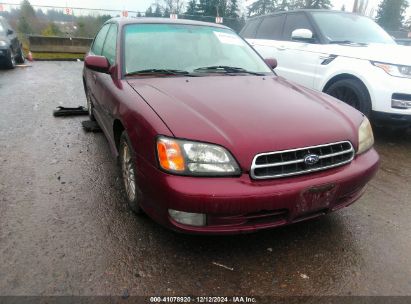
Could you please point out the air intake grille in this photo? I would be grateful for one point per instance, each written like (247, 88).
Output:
(297, 161)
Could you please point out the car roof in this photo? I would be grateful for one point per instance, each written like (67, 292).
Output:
(154, 20)
(303, 10)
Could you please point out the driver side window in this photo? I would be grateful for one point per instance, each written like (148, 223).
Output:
(98, 42)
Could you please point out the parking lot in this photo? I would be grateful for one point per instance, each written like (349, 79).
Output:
(65, 228)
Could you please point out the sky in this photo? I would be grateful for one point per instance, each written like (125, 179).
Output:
(141, 5)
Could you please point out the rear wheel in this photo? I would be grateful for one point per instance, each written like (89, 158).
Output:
(128, 172)
(352, 92)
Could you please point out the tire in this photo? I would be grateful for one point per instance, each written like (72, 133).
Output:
(128, 173)
(10, 61)
(90, 106)
(20, 56)
(353, 92)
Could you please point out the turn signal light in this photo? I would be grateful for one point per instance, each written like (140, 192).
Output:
(170, 155)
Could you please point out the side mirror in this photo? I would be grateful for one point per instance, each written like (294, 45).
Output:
(10, 32)
(302, 35)
(97, 63)
(271, 62)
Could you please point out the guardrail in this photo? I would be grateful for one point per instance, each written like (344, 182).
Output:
(45, 44)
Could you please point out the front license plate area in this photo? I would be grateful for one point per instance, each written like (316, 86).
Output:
(316, 198)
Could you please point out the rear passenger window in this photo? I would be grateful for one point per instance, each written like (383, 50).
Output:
(250, 28)
(271, 28)
(109, 49)
(296, 21)
(98, 43)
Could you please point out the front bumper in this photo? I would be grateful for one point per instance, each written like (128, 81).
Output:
(392, 119)
(235, 205)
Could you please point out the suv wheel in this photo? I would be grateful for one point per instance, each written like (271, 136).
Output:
(128, 172)
(352, 92)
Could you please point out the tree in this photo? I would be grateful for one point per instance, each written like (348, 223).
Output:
(51, 30)
(233, 9)
(191, 8)
(262, 7)
(27, 22)
(390, 14)
(408, 24)
(149, 12)
(157, 11)
(317, 4)
(173, 6)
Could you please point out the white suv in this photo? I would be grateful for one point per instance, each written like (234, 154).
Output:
(343, 54)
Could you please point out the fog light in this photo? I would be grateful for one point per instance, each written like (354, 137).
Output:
(400, 104)
(188, 218)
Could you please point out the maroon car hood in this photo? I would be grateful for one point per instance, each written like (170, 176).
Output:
(248, 114)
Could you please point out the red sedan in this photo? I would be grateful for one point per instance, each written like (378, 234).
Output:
(210, 139)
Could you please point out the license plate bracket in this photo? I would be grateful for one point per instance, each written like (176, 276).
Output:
(316, 198)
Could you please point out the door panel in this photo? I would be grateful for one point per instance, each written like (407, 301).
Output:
(299, 60)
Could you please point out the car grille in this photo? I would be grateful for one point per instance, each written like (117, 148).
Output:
(293, 162)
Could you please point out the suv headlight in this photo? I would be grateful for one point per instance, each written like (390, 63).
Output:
(365, 136)
(394, 70)
(195, 158)
(3, 43)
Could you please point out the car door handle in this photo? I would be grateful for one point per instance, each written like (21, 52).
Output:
(281, 48)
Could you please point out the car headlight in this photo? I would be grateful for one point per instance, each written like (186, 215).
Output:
(394, 69)
(365, 136)
(195, 158)
(3, 43)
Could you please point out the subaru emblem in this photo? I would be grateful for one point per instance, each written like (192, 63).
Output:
(311, 159)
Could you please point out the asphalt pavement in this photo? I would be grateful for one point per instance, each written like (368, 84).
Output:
(65, 228)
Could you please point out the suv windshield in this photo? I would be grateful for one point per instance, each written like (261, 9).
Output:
(179, 49)
(350, 28)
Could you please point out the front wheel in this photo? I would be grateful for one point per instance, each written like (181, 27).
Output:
(352, 92)
(128, 172)
(90, 106)
(20, 56)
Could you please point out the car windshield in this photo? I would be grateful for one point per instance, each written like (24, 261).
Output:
(343, 27)
(179, 49)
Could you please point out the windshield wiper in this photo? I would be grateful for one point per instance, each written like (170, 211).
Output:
(346, 42)
(159, 71)
(227, 69)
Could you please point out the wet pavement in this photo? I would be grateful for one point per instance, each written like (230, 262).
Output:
(65, 228)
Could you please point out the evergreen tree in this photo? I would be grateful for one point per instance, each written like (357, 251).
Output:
(27, 22)
(390, 14)
(191, 8)
(233, 9)
(262, 7)
(149, 12)
(310, 4)
(157, 11)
